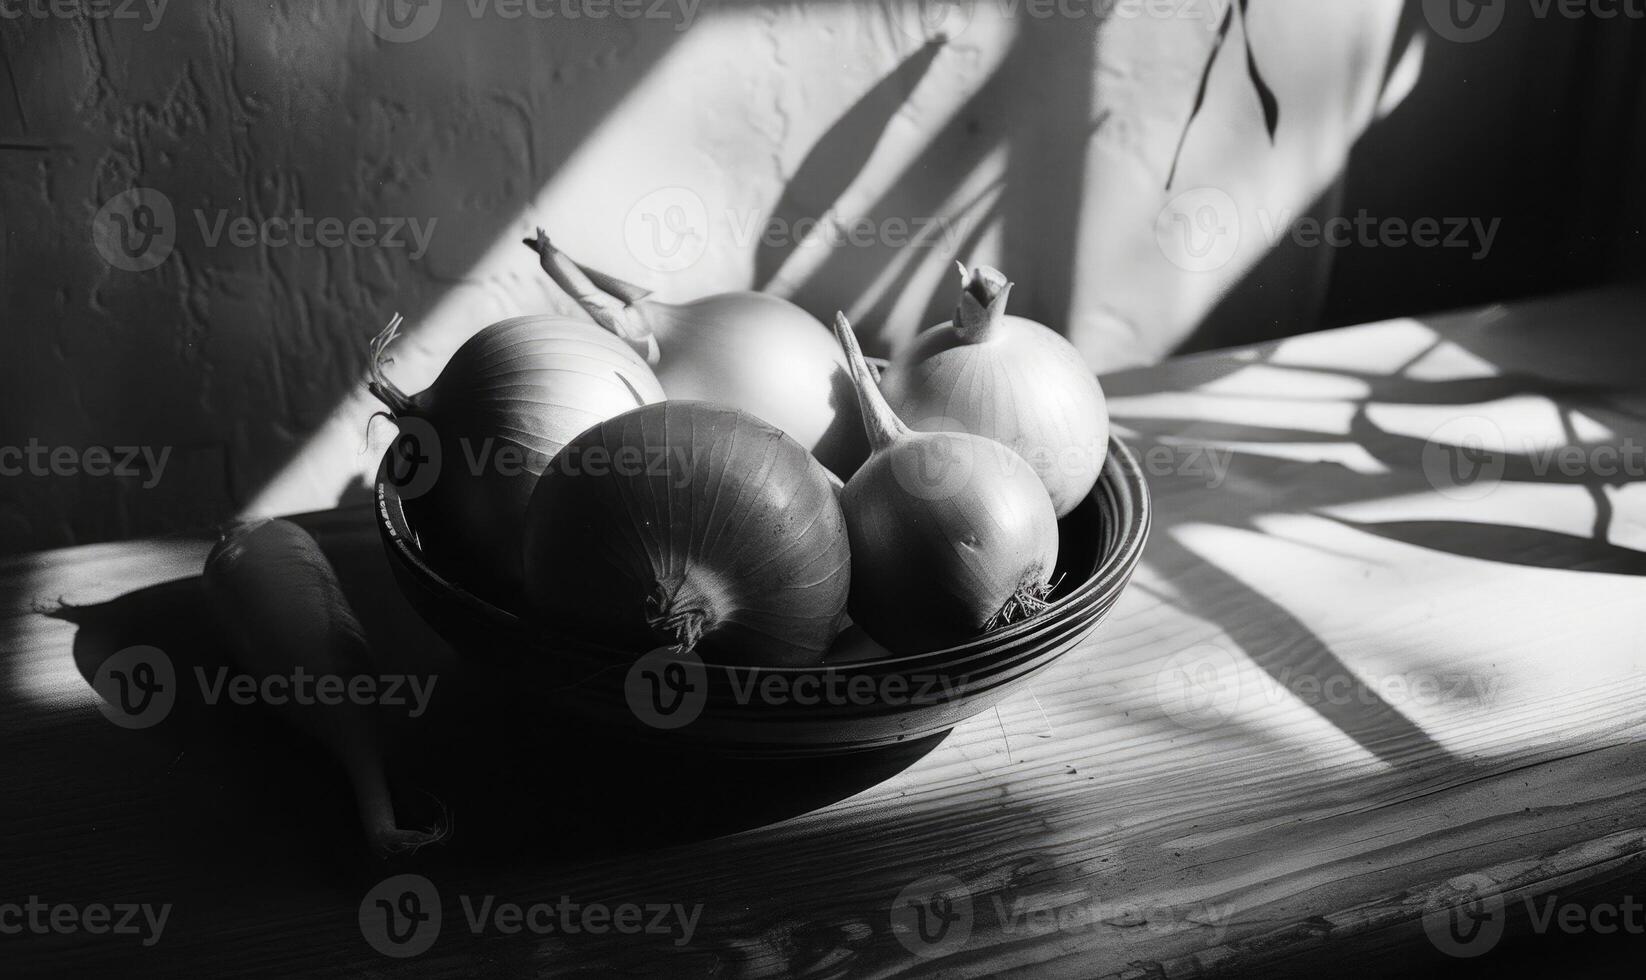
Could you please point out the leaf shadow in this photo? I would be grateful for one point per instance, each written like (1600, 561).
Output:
(1507, 544)
(836, 159)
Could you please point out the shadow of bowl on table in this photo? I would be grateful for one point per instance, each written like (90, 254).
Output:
(522, 783)
(517, 783)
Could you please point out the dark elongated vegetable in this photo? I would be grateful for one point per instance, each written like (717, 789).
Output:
(276, 595)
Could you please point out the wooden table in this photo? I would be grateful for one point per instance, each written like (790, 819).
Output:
(1361, 676)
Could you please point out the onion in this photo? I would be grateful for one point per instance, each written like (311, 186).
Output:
(751, 351)
(952, 534)
(475, 441)
(1010, 379)
(690, 525)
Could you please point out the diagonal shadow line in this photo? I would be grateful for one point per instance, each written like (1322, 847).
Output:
(1507, 544)
(1046, 172)
(1286, 649)
(941, 303)
(1601, 530)
(1402, 452)
(1045, 233)
(836, 159)
(953, 153)
(1403, 390)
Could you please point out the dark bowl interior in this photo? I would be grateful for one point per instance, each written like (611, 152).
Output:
(876, 702)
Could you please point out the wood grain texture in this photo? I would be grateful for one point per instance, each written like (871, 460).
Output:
(1333, 699)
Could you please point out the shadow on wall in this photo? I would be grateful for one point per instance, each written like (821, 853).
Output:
(215, 344)
(228, 355)
(220, 349)
(1532, 177)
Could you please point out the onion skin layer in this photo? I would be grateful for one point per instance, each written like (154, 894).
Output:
(719, 535)
(1011, 380)
(509, 399)
(936, 559)
(751, 351)
(767, 357)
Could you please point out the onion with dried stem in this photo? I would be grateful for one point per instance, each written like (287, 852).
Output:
(474, 442)
(1009, 379)
(952, 534)
(751, 351)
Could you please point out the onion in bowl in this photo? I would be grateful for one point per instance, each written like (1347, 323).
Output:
(690, 526)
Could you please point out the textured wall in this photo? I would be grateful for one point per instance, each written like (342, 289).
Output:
(659, 141)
